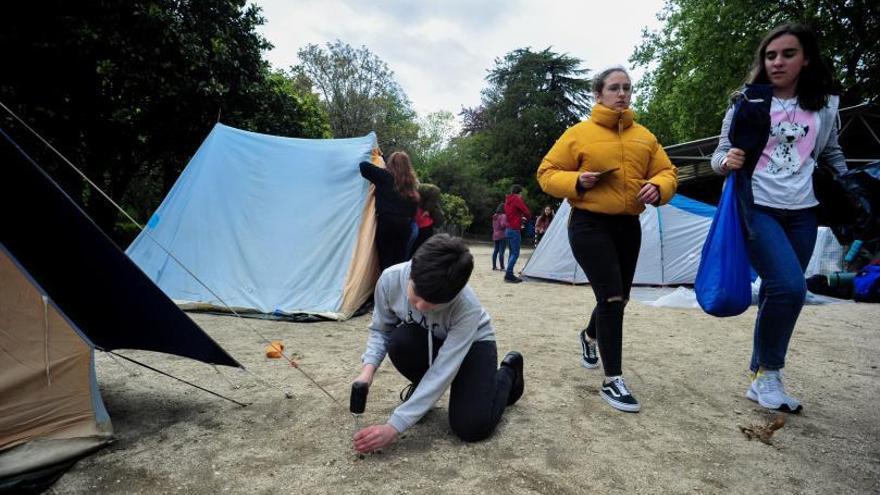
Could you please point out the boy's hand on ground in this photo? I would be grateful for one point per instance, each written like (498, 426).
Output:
(374, 437)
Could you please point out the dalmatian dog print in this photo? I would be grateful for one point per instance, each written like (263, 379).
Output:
(783, 175)
(785, 157)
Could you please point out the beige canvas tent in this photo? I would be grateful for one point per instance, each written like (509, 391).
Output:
(51, 408)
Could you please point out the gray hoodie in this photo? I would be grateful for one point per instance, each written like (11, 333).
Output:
(459, 323)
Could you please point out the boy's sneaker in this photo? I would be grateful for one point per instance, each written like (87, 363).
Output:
(589, 356)
(768, 391)
(514, 361)
(513, 279)
(616, 394)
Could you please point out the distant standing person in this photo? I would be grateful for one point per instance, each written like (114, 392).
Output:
(608, 167)
(515, 210)
(499, 236)
(780, 205)
(396, 202)
(543, 223)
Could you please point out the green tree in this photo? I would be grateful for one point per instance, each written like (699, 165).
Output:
(128, 89)
(702, 52)
(455, 211)
(359, 93)
(436, 130)
(459, 169)
(531, 99)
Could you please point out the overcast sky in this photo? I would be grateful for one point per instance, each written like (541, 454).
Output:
(440, 50)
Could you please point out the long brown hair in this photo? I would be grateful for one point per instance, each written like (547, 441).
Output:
(816, 80)
(400, 167)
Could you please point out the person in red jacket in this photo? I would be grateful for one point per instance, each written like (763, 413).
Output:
(515, 209)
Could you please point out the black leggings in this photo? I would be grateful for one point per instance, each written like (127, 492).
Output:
(607, 249)
(392, 236)
(479, 390)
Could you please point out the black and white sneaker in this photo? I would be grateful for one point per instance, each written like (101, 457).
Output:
(614, 392)
(589, 356)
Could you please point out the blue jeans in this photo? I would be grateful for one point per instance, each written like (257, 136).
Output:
(514, 239)
(780, 247)
(410, 243)
(498, 253)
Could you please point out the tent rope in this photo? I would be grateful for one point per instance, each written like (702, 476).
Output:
(124, 368)
(178, 379)
(164, 249)
(287, 393)
(229, 381)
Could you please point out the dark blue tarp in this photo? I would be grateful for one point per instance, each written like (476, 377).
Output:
(87, 276)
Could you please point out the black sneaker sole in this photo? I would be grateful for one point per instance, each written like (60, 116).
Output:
(589, 365)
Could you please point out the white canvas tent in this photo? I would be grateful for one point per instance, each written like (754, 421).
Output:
(270, 224)
(672, 242)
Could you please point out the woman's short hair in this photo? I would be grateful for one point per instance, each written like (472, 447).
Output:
(441, 267)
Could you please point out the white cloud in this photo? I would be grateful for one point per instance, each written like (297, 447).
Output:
(441, 51)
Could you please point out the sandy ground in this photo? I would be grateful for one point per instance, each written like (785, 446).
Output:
(687, 369)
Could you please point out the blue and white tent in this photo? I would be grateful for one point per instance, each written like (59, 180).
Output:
(672, 238)
(269, 224)
(672, 243)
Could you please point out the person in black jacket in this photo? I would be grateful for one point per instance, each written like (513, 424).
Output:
(396, 202)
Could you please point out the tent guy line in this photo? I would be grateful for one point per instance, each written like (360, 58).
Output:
(176, 378)
(290, 360)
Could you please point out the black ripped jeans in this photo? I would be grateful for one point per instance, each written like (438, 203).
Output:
(479, 391)
(607, 249)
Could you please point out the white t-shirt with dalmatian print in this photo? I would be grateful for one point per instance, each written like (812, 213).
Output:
(783, 176)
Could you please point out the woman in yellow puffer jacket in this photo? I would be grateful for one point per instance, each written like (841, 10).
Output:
(609, 168)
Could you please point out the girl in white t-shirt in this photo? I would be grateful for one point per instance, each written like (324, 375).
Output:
(782, 219)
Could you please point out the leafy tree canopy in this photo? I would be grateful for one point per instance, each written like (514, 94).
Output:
(531, 99)
(704, 49)
(128, 89)
(359, 94)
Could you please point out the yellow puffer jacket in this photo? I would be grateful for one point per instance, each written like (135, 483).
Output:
(608, 140)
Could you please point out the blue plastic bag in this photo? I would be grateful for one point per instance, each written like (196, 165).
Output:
(723, 283)
(866, 285)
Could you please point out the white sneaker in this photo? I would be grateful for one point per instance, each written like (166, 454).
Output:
(768, 391)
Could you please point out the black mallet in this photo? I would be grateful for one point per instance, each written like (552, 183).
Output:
(358, 402)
